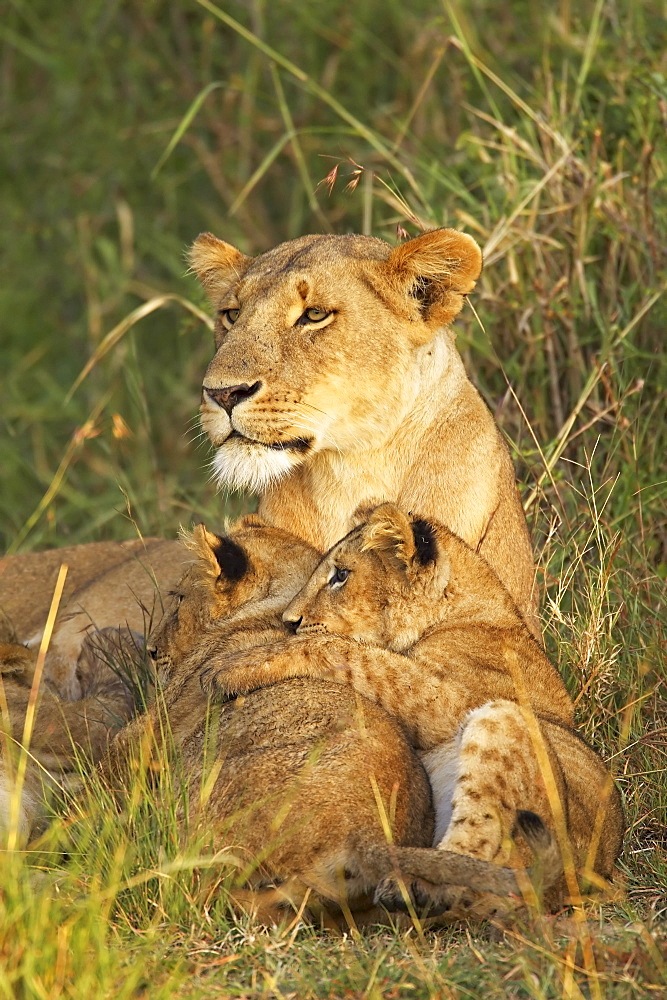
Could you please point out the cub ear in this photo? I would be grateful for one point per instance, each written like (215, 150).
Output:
(409, 545)
(432, 561)
(224, 558)
(217, 264)
(202, 543)
(388, 532)
(431, 555)
(437, 269)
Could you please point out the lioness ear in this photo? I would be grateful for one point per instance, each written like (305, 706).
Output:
(388, 532)
(437, 269)
(224, 557)
(217, 264)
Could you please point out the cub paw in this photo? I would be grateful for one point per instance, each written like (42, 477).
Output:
(212, 680)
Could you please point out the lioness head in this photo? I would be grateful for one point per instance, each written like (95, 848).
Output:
(393, 578)
(253, 571)
(322, 343)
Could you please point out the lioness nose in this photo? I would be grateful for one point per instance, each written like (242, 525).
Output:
(293, 623)
(231, 394)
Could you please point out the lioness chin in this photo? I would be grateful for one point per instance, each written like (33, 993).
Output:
(336, 381)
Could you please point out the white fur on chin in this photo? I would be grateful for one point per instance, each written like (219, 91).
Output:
(239, 465)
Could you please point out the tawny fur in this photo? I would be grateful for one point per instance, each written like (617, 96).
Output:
(370, 403)
(301, 771)
(410, 616)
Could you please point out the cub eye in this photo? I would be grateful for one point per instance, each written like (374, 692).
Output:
(229, 316)
(313, 315)
(176, 596)
(338, 578)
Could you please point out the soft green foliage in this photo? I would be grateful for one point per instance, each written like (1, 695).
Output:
(540, 128)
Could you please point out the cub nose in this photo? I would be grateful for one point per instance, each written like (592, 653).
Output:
(228, 397)
(292, 624)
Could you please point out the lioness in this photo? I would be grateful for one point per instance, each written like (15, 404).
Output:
(410, 616)
(307, 776)
(108, 584)
(337, 382)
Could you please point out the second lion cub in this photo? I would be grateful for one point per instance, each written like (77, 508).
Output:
(413, 618)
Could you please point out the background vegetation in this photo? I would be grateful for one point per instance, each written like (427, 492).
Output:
(127, 128)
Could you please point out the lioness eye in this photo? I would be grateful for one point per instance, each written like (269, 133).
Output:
(313, 315)
(229, 316)
(338, 577)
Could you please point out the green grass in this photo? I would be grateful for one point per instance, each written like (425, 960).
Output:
(538, 127)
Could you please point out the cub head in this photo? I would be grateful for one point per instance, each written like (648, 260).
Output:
(322, 342)
(254, 570)
(393, 578)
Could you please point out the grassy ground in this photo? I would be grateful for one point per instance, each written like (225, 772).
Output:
(540, 128)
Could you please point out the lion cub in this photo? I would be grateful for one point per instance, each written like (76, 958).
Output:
(306, 775)
(410, 616)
